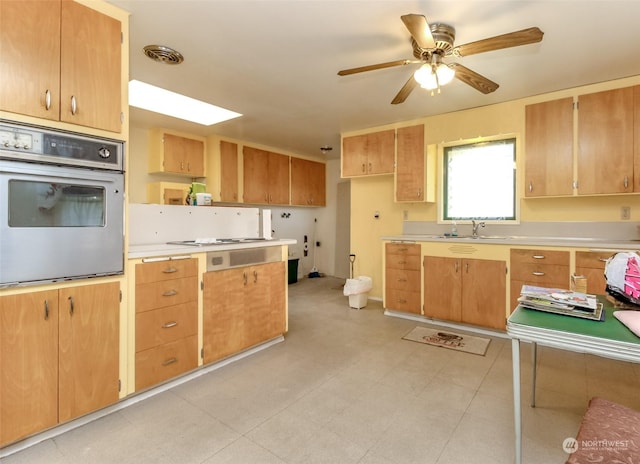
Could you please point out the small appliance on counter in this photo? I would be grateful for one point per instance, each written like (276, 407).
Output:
(203, 199)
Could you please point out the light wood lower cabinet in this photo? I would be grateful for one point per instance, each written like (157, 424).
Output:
(591, 265)
(166, 320)
(472, 291)
(542, 268)
(59, 356)
(242, 308)
(402, 277)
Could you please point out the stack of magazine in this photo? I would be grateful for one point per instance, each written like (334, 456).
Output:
(559, 301)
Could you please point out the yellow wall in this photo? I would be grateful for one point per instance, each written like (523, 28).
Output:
(369, 195)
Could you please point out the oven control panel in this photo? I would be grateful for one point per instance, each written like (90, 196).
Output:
(19, 139)
(42, 145)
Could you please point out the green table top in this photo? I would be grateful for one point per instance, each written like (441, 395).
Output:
(610, 329)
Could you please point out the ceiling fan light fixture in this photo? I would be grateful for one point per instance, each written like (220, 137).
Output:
(432, 76)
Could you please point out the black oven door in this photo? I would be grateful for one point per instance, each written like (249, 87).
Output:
(59, 223)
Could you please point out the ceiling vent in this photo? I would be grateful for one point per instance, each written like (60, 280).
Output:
(163, 54)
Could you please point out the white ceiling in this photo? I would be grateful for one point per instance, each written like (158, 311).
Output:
(276, 61)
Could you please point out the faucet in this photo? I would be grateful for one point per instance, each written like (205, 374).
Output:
(474, 228)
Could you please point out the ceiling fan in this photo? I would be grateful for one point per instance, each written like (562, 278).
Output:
(432, 43)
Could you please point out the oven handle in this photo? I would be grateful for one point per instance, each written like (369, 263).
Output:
(48, 173)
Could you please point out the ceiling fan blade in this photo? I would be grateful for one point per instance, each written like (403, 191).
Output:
(405, 91)
(474, 79)
(371, 67)
(512, 39)
(419, 29)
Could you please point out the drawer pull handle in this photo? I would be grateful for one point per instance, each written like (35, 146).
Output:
(170, 270)
(538, 273)
(170, 293)
(72, 306)
(402, 262)
(170, 361)
(402, 280)
(538, 256)
(46, 310)
(168, 325)
(74, 105)
(47, 100)
(603, 260)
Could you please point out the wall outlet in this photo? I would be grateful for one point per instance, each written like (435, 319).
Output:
(625, 213)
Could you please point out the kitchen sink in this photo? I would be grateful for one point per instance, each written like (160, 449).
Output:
(471, 237)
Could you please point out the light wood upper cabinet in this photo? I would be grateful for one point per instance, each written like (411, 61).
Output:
(175, 154)
(606, 142)
(368, 154)
(61, 61)
(28, 364)
(549, 148)
(308, 182)
(265, 176)
(59, 356)
(228, 172)
(415, 166)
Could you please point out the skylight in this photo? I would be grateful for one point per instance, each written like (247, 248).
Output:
(158, 100)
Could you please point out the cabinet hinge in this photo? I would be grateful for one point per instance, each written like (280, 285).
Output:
(202, 353)
(121, 117)
(121, 37)
(202, 285)
(119, 385)
(575, 184)
(120, 296)
(575, 105)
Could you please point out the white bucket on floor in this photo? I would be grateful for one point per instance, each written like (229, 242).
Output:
(358, 301)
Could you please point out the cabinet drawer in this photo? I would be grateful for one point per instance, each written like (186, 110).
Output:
(523, 256)
(402, 280)
(403, 249)
(161, 294)
(166, 361)
(592, 259)
(411, 262)
(166, 270)
(540, 273)
(165, 325)
(401, 300)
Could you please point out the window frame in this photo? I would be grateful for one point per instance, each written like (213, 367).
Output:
(442, 192)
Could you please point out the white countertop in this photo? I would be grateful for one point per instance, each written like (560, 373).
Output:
(573, 242)
(154, 250)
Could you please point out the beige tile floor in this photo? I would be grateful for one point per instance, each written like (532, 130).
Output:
(345, 388)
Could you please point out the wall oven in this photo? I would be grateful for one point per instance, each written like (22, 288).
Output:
(61, 205)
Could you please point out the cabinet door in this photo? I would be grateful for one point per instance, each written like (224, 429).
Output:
(223, 313)
(549, 148)
(354, 156)
(90, 64)
(265, 303)
(28, 364)
(442, 288)
(308, 179)
(255, 175)
(89, 348)
(183, 155)
(381, 151)
(228, 172)
(484, 293)
(278, 181)
(30, 57)
(605, 142)
(410, 164)
(591, 265)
